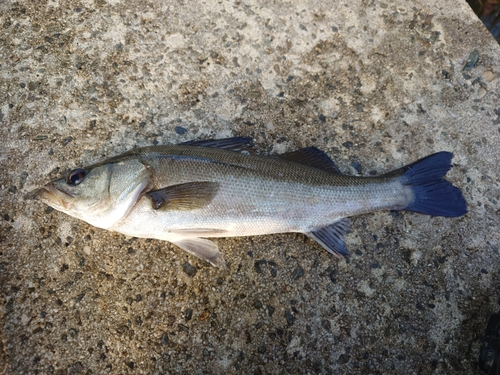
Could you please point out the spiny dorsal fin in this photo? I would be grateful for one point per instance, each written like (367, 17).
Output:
(312, 157)
(332, 237)
(237, 144)
(184, 197)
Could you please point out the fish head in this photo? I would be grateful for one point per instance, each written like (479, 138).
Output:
(101, 194)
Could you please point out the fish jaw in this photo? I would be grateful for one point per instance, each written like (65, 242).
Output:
(57, 198)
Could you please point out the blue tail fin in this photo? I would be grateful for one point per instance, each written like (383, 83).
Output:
(433, 195)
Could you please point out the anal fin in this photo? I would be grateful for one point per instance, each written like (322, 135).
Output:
(331, 237)
(203, 249)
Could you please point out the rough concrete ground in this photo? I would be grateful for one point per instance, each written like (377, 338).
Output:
(376, 84)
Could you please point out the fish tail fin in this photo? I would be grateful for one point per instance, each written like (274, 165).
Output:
(432, 194)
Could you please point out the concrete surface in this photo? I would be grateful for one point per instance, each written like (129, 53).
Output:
(376, 84)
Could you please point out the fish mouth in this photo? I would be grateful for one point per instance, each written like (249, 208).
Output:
(51, 194)
(33, 195)
(54, 188)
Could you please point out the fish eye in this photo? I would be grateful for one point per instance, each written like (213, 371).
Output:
(75, 176)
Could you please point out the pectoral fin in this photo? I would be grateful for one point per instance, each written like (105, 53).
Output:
(203, 249)
(332, 237)
(188, 196)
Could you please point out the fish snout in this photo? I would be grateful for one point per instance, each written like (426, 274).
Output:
(51, 195)
(33, 195)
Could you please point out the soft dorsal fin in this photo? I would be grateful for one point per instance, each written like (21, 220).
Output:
(184, 197)
(237, 144)
(332, 237)
(312, 157)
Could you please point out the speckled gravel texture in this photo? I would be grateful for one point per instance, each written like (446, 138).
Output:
(375, 84)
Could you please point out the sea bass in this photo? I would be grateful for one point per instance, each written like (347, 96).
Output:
(221, 188)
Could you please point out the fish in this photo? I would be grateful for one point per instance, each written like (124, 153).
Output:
(200, 189)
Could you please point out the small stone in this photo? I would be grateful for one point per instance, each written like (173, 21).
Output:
(164, 339)
(32, 85)
(180, 130)
(298, 272)
(357, 166)
(270, 310)
(258, 265)
(24, 177)
(488, 76)
(326, 325)
(75, 368)
(204, 315)
(481, 92)
(67, 140)
(73, 332)
(343, 359)
(25, 319)
(473, 59)
(189, 269)
(290, 319)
